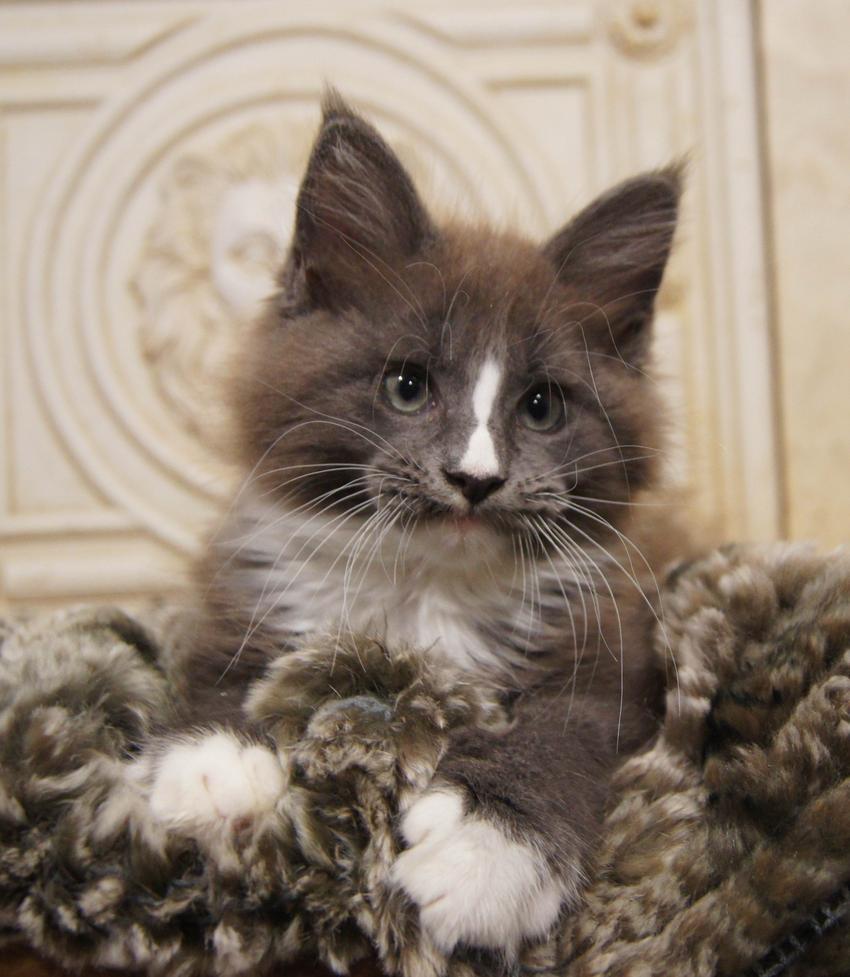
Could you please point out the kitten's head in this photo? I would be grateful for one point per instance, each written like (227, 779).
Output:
(454, 375)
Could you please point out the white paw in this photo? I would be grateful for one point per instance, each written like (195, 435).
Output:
(472, 882)
(215, 782)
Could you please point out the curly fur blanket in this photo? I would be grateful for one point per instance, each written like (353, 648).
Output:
(726, 850)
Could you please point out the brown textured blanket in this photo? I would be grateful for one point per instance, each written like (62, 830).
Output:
(726, 852)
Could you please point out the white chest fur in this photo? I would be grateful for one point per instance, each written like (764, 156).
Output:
(442, 589)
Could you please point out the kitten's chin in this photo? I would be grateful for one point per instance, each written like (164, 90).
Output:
(462, 534)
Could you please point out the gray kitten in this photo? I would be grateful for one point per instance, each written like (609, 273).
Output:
(446, 431)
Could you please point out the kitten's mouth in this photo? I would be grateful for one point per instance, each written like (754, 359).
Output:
(450, 517)
(465, 530)
(445, 515)
(465, 524)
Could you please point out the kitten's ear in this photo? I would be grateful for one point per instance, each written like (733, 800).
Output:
(358, 214)
(612, 255)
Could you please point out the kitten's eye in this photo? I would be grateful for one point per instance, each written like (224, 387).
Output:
(406, 388)
(542, 407)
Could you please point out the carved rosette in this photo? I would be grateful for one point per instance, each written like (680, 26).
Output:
(209, 259)
(647, 28)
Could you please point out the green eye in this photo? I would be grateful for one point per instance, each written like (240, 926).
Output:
(406, 388)
(542, 407)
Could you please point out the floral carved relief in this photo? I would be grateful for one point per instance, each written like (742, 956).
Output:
(209, 260)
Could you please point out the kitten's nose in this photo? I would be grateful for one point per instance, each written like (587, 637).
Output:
(474, 488)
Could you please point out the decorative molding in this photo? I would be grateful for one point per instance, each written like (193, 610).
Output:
(61, 525)
(568, 22)
(743, 395)
(73, 573)
(26, 40)
(647, 28)
(5, 337)
(209, 260)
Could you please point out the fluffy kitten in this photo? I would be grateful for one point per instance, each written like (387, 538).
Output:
(445, 428)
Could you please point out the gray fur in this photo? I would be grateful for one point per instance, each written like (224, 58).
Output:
(516, 549)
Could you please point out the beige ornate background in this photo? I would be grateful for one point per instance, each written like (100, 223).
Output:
(149, 157)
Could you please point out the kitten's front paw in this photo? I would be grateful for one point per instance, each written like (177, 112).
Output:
(215, 781)
(472, 882)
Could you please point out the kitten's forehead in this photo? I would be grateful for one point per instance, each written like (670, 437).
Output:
(491, 296)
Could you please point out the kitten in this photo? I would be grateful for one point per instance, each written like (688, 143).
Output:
(445, 428)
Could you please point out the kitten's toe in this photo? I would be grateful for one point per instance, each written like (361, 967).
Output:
(437, 810)
(215, 781)
(473, 883)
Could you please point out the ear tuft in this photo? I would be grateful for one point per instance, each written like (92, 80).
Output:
(334, 106)
(358, 214)
(612, 255)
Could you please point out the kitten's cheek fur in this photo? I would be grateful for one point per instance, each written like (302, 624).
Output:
(473, 884)
(214, 782)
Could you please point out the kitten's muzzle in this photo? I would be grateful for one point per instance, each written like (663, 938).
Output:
(473, 488)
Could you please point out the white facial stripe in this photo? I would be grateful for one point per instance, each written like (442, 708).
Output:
(480, 458)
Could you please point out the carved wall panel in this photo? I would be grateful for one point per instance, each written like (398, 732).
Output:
(148, 171)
